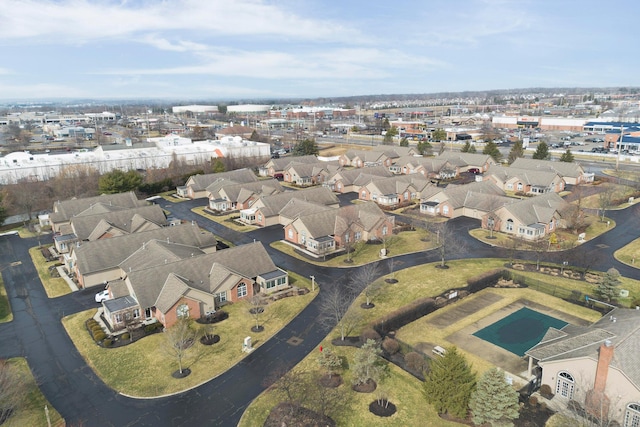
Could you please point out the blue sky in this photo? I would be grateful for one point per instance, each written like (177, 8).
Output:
(230, 49)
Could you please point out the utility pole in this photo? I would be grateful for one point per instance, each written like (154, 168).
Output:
(619, 147)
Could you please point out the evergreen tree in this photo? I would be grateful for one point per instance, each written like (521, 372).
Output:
(517, 151)
(567, 157)
(607, 289)
(491, 149)
(367, 363)
(218, 166)
(493, 399)
(542, 152)
(389, 135)
(330, 361)
(424, 148)
(449, 384)
(466, 147)
(442, 148)
(404, 142)
(439, 134)
(305, 147)
(472, 149)
(118, 181)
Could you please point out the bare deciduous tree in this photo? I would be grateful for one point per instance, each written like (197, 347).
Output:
(364, 280)
(334, 310)
(179, 339)
(605, 198)
(447, 242)
(13, 390)
(256, 309)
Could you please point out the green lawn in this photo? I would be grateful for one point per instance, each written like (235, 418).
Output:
(32, 413)
(5, 308)
(620, 192)
(168, 196)
(629, 254)
(53, 286)
(402, 389)
(143, 369)
(403, 243)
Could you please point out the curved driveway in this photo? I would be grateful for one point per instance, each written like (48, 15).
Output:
(80, 396)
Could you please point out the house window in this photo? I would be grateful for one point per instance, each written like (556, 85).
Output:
(519, 186)
(490, 223)
(632, 415)
(509, 225)
(222, 297)
(259, 217)
(384, 230)
(509, 186)
(136, 313)
(118, 318)
(303, 237)
(242, 290)
(358, 236)
(182, 311)
(521, 230)
(290, 233)
(147, 313)
(565, 385)
(364, 194)
(551, 225)
(406, 195)
(445, 210)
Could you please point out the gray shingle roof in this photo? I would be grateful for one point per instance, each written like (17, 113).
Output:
(201, 182)
(156, 252)
(84, 225)
(105, 254)
(577, 342)
(271, 205)
(349, 176)
(541, 178)
(239, 192)
(466, 159)
(281, 163)
(64, 210)
(539, 209)
(398, 184)
(573, 170)
(208, 272)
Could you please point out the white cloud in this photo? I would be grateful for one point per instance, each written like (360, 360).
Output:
(341, 63)
(80, 21)
(40, 91)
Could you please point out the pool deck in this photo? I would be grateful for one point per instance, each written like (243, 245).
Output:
(498, 356)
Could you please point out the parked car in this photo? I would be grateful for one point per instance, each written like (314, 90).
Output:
(102, 296)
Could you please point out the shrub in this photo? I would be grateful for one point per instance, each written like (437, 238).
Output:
(486, 279)
(125, 336)
(99, 336)
(415, 361)
(91, 323)
(369, 334)
(390, 345)
(533, 401)
(545, 390)
(108, 342)
(405, 315)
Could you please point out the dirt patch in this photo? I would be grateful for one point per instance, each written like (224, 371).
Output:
(289, 415)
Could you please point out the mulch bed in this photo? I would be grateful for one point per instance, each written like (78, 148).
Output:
(209, 339)
(332, 381)
(367, 306)
(347, 342)
(385, 410)
(185, 373)
(257, 328)
(391, 280)
(366, 387)
(289, 415)
(216, 317)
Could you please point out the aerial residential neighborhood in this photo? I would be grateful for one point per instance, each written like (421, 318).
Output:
(268, 214)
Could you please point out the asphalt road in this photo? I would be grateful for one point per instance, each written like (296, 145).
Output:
(36, 332)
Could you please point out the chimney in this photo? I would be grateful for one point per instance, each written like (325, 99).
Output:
(596, 401)
(605, 355)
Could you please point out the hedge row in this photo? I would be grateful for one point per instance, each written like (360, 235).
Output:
(404, 315)
(486, 279)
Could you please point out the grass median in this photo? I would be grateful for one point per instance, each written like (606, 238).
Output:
(53, 286)
(629, 254)
(5, 308)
